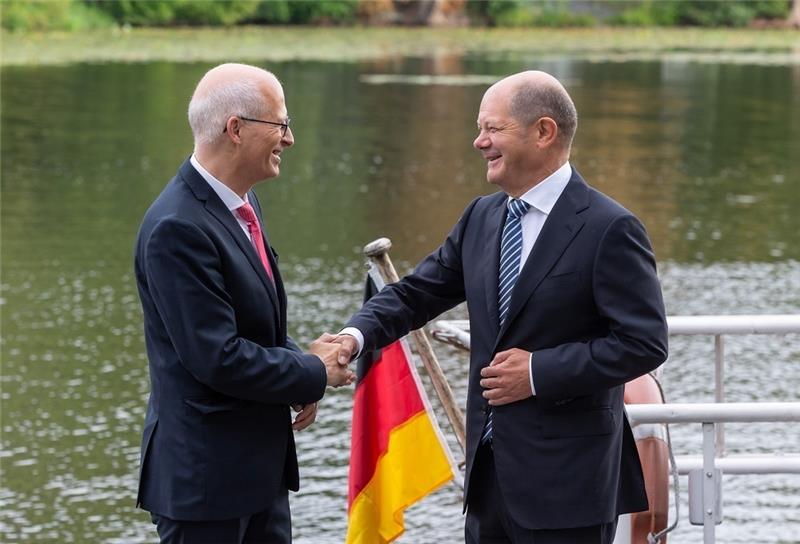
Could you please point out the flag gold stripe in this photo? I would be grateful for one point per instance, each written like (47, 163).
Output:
(414, 465)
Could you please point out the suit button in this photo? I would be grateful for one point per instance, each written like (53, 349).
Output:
(483, 410)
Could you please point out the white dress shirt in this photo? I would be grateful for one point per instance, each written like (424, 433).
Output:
(231, 200)
(542, 197)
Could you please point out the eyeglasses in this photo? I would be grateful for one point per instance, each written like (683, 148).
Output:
(284, 126)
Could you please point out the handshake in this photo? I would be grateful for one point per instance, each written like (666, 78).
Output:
(335, 351)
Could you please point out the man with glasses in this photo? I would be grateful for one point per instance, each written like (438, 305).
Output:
(218, 452)
(564, 306)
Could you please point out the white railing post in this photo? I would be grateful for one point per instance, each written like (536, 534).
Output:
(719, 387)
(709, 485)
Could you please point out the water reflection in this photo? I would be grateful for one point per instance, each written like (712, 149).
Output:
(703, 153)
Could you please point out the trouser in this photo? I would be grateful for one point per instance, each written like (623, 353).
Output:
(489, 521)
(270, 526)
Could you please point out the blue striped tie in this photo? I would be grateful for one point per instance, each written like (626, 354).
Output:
(510, 253)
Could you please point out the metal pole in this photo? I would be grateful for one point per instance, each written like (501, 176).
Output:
(378, 252)
(719, 387)
(709, 485)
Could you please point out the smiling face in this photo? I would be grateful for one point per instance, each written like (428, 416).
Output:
(509, 148)
(263, 143)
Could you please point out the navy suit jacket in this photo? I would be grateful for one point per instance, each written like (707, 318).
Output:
(588, 305)
(217, 440)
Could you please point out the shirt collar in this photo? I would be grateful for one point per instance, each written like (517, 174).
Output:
(225, 193)
(543, 195)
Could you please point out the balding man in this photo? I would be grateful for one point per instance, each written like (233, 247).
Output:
(564, 308)
(218, 450)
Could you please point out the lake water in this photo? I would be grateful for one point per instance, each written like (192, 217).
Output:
(706, 154)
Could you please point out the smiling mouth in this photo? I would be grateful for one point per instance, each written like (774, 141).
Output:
(491, 160)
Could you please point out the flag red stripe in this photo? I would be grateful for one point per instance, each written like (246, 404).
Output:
(390, 385)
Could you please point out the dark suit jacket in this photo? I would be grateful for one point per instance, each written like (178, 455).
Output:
(217, 441)
(588, 306)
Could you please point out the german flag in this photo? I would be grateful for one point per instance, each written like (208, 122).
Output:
(397, 455)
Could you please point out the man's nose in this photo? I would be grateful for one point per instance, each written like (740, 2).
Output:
(481, 141)
(288, 138)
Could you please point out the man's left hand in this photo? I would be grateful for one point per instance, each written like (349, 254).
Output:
(507, 379)
(306, 414)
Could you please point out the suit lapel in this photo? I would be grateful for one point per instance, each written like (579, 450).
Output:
(560, 227)
(217, 208)
(491, 260)
(272, 257)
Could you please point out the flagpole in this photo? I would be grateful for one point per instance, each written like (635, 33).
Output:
(377, 251)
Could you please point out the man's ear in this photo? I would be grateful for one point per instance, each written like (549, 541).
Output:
(233, 128)
(546, 131)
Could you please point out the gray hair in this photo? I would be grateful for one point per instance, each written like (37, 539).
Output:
(531, 102)
(209, 113)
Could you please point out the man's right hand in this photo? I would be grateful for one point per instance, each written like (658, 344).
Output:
(349, 347)
(329, 352)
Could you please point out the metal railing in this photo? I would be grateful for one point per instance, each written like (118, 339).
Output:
(705, 502)
(719, 325)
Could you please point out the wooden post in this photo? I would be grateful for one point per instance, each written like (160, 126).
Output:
(378, 252)
(794, 15)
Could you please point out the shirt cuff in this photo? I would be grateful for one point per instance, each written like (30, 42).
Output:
(530, 366)
(355, 333)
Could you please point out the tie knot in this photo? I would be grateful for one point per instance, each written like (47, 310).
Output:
(247, 213)
(517, 208)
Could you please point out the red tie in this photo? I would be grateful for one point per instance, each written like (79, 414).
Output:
(246, 212)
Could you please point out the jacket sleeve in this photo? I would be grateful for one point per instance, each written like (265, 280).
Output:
(292, 345)
(627, 296)
(435, 286)
(184, 277)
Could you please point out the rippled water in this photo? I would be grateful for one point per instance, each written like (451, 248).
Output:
(703, 153)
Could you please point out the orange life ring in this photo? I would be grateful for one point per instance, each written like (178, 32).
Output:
(653, 451)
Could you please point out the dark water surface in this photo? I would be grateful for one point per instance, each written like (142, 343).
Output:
(705, 154)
